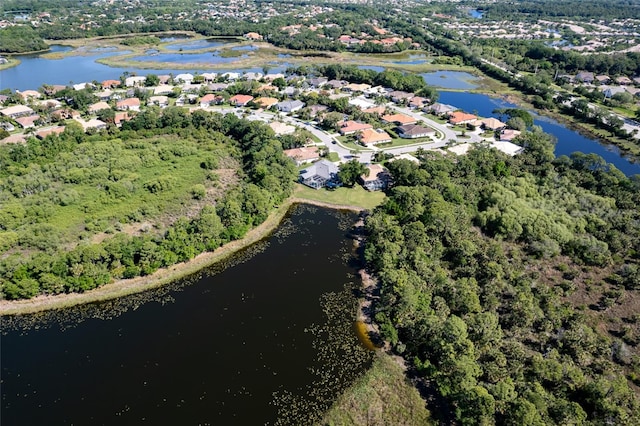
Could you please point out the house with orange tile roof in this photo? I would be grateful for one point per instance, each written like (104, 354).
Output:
(305, 154)
(120, 117)
(377, 110)
(459, 117)
(240, 100)
(350, 127)
(399, 119)
(372, 137)
(111, 84)
(208, 100)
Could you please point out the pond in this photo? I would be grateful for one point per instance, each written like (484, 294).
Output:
(569, 141)
(475, 13)
(188, 58)
(198, 44)
(267, 338)
(451, 80)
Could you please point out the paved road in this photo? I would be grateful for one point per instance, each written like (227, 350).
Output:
(344, 153)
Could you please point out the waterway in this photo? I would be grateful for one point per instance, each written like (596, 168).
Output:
(265, 339)
(568, 141)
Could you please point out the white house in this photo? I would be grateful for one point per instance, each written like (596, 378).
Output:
(184, 78)
(136, 80)
(290, 106)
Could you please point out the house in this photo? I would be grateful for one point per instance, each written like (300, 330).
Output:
(49, 103)
(407, 157)
(319, 174)
(253, 36)
(603, 79)
(134, 81)
(29, 94)
(377, 179)
(609, 91)
(290, 106)
(184, 78)
(414, 131)
(459, 117)
(507, 135)
(303, 155)
(335, 84)
(240, 100)
(400, 119)
(93, 123)
(162, 90)
(164, 78)
(361, 103)
(65, 114)
(105, 95)
(251, 76)
(28, 121)
(120, 117)
(492, 124)
(273, 76)
(399, 96)
(350, 127)
(209, 77)
(110, 84)
(17, 138)
(376, 110)
(217, 87)
(585, 77)
(7, 126)
(265, 102)
(281, 128)
(315, 110)
(16, 111)
(82, 86)
(51, 131)
(623, 79)
(440, 109)
(507, 147)
(353, 87)
(289, 91)
(98, 106)
(318, 81)
(372, 137)
(208, 100)
(417, 102)
(161, 101)
(129, 104)
(231, 76)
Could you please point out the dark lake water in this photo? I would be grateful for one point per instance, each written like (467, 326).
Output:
(266, 340)
(569, 141)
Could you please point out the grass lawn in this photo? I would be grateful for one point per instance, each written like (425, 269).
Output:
(382, 396)
(396, 142)
(333, 156)
(348, 142)
(356, 196)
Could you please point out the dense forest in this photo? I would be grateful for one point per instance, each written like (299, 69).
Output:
(511, 284)
(20, 39)
(79, 211)
(537, 9)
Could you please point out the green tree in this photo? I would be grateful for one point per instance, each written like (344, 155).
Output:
(350, 172)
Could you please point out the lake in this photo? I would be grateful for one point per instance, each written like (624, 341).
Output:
(266, 338)
(451, 79)
(188, 58)
(569, 141)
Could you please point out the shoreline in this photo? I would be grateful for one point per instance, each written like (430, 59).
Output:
(163, 276)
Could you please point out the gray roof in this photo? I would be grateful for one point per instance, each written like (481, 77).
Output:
(323, 168)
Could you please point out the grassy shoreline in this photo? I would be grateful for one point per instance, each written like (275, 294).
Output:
(13, 62)
(166, 275)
